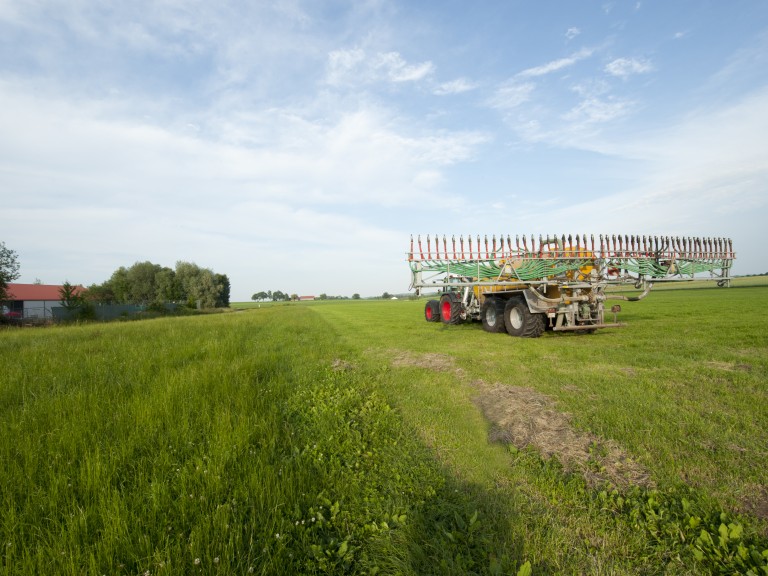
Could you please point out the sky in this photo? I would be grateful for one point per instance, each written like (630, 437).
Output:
(297, 145)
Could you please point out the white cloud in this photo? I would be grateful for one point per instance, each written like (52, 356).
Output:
(556, 65)
(590, 88)
(355, 66)
(624, 67)
(511, 95)
(149, 192)
(455, 87)
(597, 111)
(571, 33)
(398, 70)
(342, 63)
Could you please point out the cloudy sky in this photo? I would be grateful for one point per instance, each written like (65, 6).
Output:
(296, 145)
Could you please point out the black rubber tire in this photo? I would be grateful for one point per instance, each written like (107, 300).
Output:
(450, 308)
(492, 315)
(519, 320)
(432, 311)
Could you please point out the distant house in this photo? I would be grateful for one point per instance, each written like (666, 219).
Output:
(33, 300)
(306, 297)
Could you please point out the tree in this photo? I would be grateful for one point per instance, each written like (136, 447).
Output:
(71, 296)
(141, 282)
(100, 293)
(355, 296)
(199, 285)
(386, 296)
(154, 285)
(73, 299)
(222, 301)
(119, 285)
(9, 269)
(167, 288)
(260, 296)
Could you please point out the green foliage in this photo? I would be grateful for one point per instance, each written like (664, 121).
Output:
(9, 268)
(148, 284)
(75, 302)
(224, 287)
(71, 296)
(680, 523)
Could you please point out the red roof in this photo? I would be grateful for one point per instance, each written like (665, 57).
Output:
(29, 292)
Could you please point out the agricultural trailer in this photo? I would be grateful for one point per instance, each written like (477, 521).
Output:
(525, 287)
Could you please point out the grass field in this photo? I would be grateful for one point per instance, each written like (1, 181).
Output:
(353, 437)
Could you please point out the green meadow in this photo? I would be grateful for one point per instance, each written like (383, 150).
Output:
(353, 437)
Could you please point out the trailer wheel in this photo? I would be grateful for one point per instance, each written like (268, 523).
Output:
(450, 308)
(432, 311)
(519, 320)
(492, 315)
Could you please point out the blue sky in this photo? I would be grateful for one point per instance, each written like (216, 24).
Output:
(296, 145)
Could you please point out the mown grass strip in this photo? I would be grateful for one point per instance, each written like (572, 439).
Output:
(682, 389)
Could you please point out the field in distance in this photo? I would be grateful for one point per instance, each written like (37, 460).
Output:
(354, 437)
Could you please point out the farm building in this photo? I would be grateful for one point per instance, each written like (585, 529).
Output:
(33, 300)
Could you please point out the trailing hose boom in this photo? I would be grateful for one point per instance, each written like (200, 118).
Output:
(524, 286)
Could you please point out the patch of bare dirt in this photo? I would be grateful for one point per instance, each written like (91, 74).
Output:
(430, 361)
(341, 365)
(524, 417)
(729, 366)
(757, 503)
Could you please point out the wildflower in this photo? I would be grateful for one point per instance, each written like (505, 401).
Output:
(277, 535)
(197, 561)
(216, 560)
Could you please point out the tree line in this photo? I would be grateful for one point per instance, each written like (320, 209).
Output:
(143, 283)
(147, 283)
(279, 295)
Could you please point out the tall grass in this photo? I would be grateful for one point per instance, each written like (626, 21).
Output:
(343, 438)
(233, 444)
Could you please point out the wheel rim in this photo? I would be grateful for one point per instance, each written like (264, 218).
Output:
(516, 318)
(446, 309)
(429, 313)
(490, 316)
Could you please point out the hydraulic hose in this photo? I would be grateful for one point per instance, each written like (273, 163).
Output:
(640, 296)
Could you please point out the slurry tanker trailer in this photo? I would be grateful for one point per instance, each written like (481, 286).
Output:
(560, 283)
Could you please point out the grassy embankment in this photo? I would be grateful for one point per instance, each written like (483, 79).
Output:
(354, 436)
